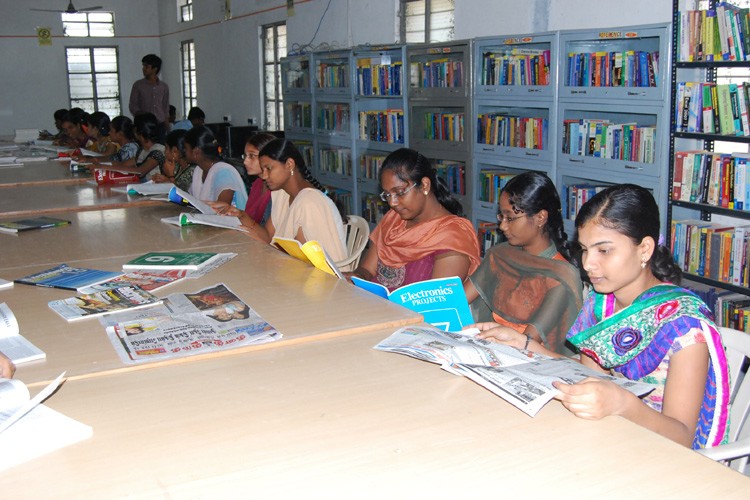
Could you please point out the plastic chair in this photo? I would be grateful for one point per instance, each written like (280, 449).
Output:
(736, 453)
(357, 235)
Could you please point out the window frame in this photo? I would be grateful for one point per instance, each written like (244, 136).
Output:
(189, 85)
(185, 11)
(87, 24)
(275, 65)
(427, 17)
(95, 99)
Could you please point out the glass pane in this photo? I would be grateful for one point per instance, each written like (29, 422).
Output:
(75, 29)
(86, 105)
(270, 116)
(193, 84)
(269, 83)
(268, 45)
(109, 106)
(442, 6)
(102, 30)
(414, 8)
(441, 20)
(414, 23)
(441, 35)
(107, 85)
(102, 17)
(79, 62)
(75, 18)
(415, 37)
(105, 60)
(81, 86)
(280, 118)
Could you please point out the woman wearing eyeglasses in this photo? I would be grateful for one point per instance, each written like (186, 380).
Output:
(423, 235)
(258, 208)
(528, 284)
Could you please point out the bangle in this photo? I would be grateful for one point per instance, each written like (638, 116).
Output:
(526, 345)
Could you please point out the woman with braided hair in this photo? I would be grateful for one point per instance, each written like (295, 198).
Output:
(423, 236)
(528, 284)
(300, 208)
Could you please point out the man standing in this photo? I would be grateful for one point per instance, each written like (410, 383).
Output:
(151, 95)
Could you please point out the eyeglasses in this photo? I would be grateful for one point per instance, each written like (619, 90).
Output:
(251, 156)
(386, 196)
(503, 218)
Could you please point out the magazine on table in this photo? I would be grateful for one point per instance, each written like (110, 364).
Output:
(67, 277)
(211, 319)
(95, 304)
(145, 280)
(522, 378)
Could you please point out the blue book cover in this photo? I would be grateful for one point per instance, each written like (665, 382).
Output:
(68, 278)
(441, 301)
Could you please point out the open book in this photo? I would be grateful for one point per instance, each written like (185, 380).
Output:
(188, 219)
(29, 429)
(310, 252)
(12, 343)
(149, 188)
(522, 378)
(177, 195)
(442, 301)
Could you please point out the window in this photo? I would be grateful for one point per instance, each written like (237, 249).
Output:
(89, 24)
(427, 20)
(189, 87)
(93, 79)
(274, 48)
(184, 10)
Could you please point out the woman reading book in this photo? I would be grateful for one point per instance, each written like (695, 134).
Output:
(121, 131)
(177, 169)
(638, 323)
(258, 208)
(423, 236)
(527, 283)
(99, 132)
(300, 208)
(215, 179)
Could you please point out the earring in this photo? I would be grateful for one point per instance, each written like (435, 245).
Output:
(292, 173)
(643, 264)
(425, 192)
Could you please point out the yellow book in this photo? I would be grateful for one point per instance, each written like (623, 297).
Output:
(310, 252)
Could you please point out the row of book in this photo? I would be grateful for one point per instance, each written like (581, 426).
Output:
(578, 194)
(342, 198)
(336, 161)
(299, 115)
(488, 235)
(333, 117)
(378, 79)
(453, 173)
(632, 68)
(604, 139)
(712, 108)
(719, 34)
(308, 152)
(331, 76)
(711, 250)
(382, 126)
(298, 78)
(733, 311)
(373, 208)
(491, 183)
(517, 67)
(437, 73)
(712, 178)
(444, 126)
(369, 166)
(515, 131)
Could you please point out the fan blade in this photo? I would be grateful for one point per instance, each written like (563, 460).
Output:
(46, 10)
(90, 8)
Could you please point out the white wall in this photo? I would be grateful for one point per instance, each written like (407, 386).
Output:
(33, 78)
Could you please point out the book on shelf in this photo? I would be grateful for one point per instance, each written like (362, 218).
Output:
(177, 195)
(41, 222)
(311, 252)
(172, 260)
(29, 429)
(12, 343)
(146, 280)
(521, 378)
(209, 320)
(216, 220)
(67, 277)
(95, 304)
(442, 301)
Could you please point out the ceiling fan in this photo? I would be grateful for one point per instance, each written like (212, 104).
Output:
(70, 10)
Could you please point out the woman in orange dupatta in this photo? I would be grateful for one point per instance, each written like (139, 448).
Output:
(423, 236)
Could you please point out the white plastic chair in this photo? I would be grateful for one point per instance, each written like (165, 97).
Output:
(736, 453)
(357, 234)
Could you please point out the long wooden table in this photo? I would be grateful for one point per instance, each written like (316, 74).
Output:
(336, 419)
(42, 172)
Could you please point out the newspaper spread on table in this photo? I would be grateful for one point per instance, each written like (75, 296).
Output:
(211, 319)
(522, 378)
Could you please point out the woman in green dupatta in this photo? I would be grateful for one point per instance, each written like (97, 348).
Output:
(527, 284)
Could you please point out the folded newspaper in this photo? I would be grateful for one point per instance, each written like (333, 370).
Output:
(522, 378)
(212, 319)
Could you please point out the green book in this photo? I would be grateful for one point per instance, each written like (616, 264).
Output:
(171, 260)
(33, 223)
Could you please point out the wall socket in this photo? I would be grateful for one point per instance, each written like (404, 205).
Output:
(227, 118)
(251, 120)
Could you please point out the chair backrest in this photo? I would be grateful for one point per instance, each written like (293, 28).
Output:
(357, 235)
(737, 346)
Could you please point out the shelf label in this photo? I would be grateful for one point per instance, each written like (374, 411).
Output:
(618, 34)
(526, 39)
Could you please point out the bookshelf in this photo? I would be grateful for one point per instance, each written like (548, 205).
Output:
(514, 112)
(439, 111)
(708, 150)
(613, 113)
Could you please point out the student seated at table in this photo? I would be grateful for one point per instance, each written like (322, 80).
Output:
(176, 168)
(215, 180)
(300, 208)
(73, 124)
(59, 133)
(527, 283)
(101, 142)
(638, 323)
(195, 117)
(7, 368)
(122, 133)
(423, 235)
(258, 208)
